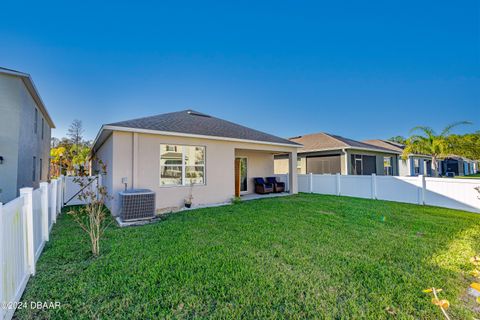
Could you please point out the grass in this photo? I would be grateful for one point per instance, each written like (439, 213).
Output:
(470, 176)
(304, 256)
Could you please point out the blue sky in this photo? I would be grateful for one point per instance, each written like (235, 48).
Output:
(362, 69)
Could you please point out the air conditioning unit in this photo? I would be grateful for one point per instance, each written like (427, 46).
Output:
(137, 204)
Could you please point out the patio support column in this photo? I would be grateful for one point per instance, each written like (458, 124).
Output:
(292, 172)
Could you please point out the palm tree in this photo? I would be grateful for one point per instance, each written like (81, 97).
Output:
(398, 139)
(428, 142)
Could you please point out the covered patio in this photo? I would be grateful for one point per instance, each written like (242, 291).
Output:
(259, 163)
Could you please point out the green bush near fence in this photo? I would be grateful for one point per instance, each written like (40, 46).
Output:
(302, 256)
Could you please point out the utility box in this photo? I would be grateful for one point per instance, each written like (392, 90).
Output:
(137, 204)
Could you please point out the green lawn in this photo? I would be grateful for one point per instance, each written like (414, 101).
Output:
(304, 256)
(470, 176)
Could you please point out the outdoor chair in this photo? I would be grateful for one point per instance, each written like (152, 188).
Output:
(277, 185)
(262, 187)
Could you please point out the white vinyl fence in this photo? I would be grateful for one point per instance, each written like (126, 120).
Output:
(73, 187)
(25, 224)
(449, 193)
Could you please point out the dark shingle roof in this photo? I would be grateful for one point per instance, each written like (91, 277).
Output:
(325, 141)
(193, 122)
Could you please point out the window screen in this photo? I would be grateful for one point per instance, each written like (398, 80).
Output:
(324, 165)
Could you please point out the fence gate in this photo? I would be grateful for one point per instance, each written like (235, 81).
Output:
(73, 188)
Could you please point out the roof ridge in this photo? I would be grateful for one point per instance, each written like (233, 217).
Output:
(332, 136)
(151, 116)
(190, 121)
(339, 138)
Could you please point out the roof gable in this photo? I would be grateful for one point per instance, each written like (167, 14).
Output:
(325, 141)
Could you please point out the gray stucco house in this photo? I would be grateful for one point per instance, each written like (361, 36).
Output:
(414, 165)
(324, 153)
(25, 131)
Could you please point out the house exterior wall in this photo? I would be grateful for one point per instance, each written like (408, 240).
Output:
(403, 167)
(407, 168)
(18, 141)
(31, 143)
(378, 160)
(106, 154)
(259, 164)
(280, 166)
(136, 156)
(343, 157)
(9, 134)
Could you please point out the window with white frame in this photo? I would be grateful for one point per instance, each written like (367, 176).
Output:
(182, 165)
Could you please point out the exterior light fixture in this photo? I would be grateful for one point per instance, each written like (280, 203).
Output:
(1, 160)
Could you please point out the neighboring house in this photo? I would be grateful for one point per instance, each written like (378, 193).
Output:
(457, 166)
(324, 153)
(168, 152)
(414, 165)
(25, 129)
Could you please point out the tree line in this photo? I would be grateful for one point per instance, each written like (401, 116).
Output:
(69, 155)
(425, 140)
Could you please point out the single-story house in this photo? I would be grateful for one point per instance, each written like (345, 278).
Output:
(324, 153)
(176, 153)
(457, 166)
(415, 165)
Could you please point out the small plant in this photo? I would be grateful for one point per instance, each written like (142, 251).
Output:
(92, 216)
(236, 200)
(189, 199)
(443, 304)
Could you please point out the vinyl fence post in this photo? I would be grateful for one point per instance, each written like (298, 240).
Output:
(310, 182)
(44, 190)
(54, 200)
(27, 194)
(63, 190)
(421, 189)
(374, 186)
(338, 184)
(59, 195)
